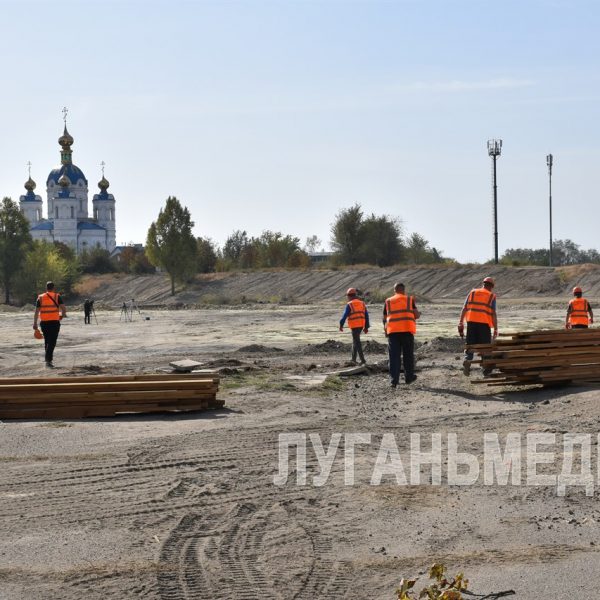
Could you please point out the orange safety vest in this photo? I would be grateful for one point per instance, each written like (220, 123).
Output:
(357, 319)
(479, 307)
(49, 307)
(400, 316)
(579, 312)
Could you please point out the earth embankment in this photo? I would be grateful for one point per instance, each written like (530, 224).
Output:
(316, 285)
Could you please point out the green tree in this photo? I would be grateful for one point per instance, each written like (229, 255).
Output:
(14, 240)
(42, 262)
(347, 234)
(96, 260)
(564, 252)
(567, 252)
(312, 244)
(133, 260)
(170, 243)
(381, 241)
(419, 252)
(276, 250)
(525, 256)
(73, 266)
(140, 265)
(234, 246)
(206, 255)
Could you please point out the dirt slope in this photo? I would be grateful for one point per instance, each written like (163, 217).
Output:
(329, 285)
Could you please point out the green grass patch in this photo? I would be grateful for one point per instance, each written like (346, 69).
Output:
(333, 383)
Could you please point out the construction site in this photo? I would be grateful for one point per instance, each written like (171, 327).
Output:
(124, 479)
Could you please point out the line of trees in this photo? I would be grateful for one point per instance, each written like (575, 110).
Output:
(172, 247)
(356, 238)
(25, 264)
(564, 252)
(270, 249)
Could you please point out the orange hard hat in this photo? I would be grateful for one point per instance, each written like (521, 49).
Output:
(577, 290)
(37, 334)
(351, 292)
(489, 280)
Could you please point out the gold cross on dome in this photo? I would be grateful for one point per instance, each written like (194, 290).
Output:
(29, 168)
(102, 164)
(65, 112)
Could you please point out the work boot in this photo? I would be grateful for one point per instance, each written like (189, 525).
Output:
(411, 379)
(49, 364)
(466, 367)
(487, 371)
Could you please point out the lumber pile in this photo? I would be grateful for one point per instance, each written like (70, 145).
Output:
(106, 396)
(546, 357)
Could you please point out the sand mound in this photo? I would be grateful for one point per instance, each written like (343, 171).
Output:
(328, 346)
(259, 349)
(374, 347)
(453, 345)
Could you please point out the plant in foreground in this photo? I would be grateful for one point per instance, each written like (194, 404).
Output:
(441, 589)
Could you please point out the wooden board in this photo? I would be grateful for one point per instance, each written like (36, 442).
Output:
(103, 396)
(206, 374)
(546, 357)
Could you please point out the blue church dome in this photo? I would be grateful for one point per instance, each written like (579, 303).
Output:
(43, 226)
(70, 170)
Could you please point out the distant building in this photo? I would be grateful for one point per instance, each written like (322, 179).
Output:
(320, 257)
(68, 219)
(118, 250)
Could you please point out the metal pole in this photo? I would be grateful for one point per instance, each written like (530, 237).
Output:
(549, 163)
(495, 213)
(494, 150)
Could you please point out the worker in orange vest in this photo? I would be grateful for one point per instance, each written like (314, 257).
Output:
(400, 316)
(358, 320)
(50, 309)
(579, 313)
(479, 311)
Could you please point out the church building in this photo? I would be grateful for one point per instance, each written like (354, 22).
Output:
(68, 219)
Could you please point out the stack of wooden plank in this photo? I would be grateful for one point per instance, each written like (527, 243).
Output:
(546, 357)
(105, 396)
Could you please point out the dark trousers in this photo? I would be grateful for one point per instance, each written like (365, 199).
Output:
(477, 333)
(401, 348)
(87, 318)
(579, 326)
(357, 345)
(50, 330)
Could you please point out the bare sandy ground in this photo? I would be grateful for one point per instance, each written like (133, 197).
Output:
(185, 507)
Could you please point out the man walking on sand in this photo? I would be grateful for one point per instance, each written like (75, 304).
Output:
(479, 311)
(50, 309)
(358, 321)
(400, 316)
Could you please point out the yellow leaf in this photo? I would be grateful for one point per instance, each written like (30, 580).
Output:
(437, 571)
(451, 595)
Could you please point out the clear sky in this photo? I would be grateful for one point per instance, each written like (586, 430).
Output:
(277, 114)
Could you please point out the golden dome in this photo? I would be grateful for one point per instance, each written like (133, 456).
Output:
(30, 184)
(66, 139)
(103, 184)
(64, 181)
